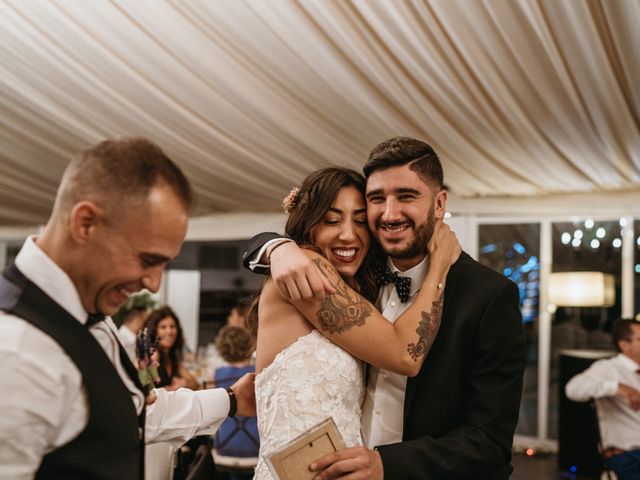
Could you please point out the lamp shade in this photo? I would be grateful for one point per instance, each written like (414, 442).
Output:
(582, 289)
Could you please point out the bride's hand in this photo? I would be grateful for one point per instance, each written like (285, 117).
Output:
(444, 248)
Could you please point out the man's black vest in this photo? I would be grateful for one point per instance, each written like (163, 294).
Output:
(112, 444)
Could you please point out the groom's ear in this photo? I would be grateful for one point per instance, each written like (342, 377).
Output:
(440, 204)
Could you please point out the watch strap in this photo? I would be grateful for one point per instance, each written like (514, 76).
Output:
(233, 402)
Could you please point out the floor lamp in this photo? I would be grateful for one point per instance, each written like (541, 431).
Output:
(582, 289)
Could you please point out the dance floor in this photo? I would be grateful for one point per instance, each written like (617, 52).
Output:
(542, 467)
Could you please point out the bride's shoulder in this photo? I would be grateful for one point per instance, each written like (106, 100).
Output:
(270, 296)
(269, 289)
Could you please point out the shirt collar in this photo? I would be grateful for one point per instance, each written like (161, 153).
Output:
(416, 274)
(50, 278)
(628, 363)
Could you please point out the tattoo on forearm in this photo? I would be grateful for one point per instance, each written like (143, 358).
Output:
(342, 310)
(427, 330)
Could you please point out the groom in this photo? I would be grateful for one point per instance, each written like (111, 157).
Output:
(456, 418)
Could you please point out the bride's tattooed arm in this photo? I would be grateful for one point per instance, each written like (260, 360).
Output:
(354, 324)
(342, 310)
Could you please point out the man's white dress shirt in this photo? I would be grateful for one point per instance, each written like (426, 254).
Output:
(383, 409)
(42, 400)
(619, 423)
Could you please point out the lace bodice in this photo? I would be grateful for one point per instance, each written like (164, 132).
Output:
(308, 382)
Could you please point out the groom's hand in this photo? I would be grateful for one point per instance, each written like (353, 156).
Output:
(295, 275)
(356, 462)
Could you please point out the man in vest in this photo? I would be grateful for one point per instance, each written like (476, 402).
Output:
(71, 403)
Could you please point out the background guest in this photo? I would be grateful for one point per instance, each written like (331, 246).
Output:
(614, 383)
(238, 436)
(132, 317)
(165, 325)
(238, 314)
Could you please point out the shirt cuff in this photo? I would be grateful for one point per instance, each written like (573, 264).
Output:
(254, 263)
(215, 406)
(610, 387)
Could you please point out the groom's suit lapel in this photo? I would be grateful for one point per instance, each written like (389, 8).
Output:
(413, 383)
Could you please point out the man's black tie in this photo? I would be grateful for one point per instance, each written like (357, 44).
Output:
(384, 275)
(94, 318)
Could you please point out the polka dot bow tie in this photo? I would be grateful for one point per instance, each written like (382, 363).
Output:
(403, 284)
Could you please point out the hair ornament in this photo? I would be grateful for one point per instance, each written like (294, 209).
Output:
(290, 201)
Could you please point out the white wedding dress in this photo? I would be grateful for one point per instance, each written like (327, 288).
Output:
(308, 382)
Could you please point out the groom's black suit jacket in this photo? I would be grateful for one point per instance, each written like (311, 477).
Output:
(461, 410)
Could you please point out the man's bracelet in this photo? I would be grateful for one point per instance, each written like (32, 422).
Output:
(233, 402)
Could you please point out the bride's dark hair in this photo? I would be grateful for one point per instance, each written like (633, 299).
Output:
(309, 205)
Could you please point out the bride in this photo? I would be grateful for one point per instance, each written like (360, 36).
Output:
(308, 350)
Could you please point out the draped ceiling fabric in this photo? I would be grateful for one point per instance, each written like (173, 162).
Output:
(524, 98)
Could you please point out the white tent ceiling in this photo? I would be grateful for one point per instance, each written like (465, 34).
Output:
(520, 98)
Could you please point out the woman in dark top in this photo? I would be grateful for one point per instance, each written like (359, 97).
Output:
(163, 324)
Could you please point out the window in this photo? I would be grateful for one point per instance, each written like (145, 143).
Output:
(582, 246)
(514, 251)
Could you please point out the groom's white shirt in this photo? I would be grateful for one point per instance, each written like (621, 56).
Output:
(383, 408)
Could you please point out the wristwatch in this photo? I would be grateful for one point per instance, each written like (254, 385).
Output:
(233, 402)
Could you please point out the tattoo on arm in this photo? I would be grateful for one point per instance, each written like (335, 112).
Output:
(342, 310)
(427, 330)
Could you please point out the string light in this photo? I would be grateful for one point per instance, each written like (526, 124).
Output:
(593, 235)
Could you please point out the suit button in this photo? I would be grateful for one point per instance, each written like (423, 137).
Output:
(378, 411)
(140, 433)
(393, 304)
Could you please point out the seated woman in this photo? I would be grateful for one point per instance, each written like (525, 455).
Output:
(308, 350)
(238, 435)
(164, 325)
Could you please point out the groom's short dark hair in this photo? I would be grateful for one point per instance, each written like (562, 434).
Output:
(398, 151)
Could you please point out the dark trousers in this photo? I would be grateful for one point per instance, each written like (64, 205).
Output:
(626, 465)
